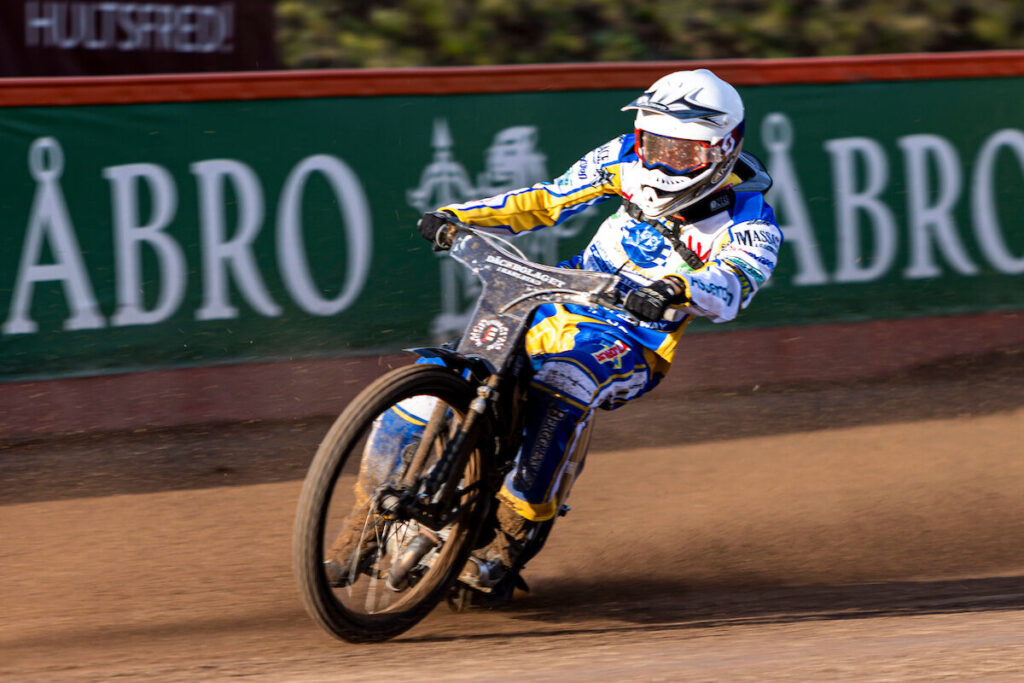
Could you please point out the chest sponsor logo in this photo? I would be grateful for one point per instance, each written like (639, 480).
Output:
(644, 245)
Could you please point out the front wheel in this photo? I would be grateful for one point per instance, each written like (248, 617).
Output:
(367, 569)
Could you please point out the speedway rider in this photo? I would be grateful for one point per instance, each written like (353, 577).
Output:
(693, 237)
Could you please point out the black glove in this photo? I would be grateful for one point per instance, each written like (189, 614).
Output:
(649, 303)
(431, 224)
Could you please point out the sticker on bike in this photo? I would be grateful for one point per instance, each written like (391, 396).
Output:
(489, 334)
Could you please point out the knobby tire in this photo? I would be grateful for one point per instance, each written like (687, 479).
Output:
(335, 449)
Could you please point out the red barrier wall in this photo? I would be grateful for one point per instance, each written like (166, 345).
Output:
(16, 92)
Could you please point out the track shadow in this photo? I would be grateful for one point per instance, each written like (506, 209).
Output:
(631, 605)
(955, 387)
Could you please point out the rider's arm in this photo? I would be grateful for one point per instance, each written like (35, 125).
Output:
(589, 181)
(728, 282)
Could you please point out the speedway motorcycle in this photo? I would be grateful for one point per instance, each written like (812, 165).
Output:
(413, 531)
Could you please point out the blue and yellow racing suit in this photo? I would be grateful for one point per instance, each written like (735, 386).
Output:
(595, 357)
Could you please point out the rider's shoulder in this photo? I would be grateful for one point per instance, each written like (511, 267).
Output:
(753, 212)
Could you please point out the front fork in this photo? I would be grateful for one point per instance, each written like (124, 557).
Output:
(431, 500)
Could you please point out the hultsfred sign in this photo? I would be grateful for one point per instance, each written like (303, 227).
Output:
(171, 234)
(95, 37)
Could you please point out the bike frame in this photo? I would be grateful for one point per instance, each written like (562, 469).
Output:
(512, 289)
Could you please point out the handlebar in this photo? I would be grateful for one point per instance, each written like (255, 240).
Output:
(446, 236)
(611, 297)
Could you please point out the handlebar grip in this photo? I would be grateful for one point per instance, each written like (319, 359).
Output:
(673, 315)
(446, 236)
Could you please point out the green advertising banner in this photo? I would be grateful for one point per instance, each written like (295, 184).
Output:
(137, 236)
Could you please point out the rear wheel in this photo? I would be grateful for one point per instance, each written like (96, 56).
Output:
(367, 570)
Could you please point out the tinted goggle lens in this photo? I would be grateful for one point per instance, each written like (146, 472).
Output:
(674, 154)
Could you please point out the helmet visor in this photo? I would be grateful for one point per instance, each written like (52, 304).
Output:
(674, 155)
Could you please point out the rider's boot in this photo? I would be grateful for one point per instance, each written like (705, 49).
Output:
(488, 566)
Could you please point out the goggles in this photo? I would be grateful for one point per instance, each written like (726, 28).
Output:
(676, 156)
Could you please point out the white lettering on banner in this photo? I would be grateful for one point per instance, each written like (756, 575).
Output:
(225, 257)
(49, 221)
(356, 214)
(868, 244)
(130, 235)
(785, 195)
(983, 204)
(851, 201)
(931, 201)
(130, 26)
(933, 225)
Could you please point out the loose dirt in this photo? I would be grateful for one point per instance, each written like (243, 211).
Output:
(845, 532)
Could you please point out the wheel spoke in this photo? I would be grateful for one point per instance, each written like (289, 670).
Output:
(358, 457)
(371, 593)
(358, 551)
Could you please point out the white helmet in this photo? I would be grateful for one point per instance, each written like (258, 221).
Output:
(689, 131)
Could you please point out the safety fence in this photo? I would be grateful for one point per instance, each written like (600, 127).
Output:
(175, 221)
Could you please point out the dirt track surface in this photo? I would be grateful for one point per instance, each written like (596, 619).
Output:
(867, 531)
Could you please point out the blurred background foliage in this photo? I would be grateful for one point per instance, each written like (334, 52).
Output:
(395, 33)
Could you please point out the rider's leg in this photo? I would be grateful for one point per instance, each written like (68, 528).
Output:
(527, 497)
(582, 363)
(554, 422)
